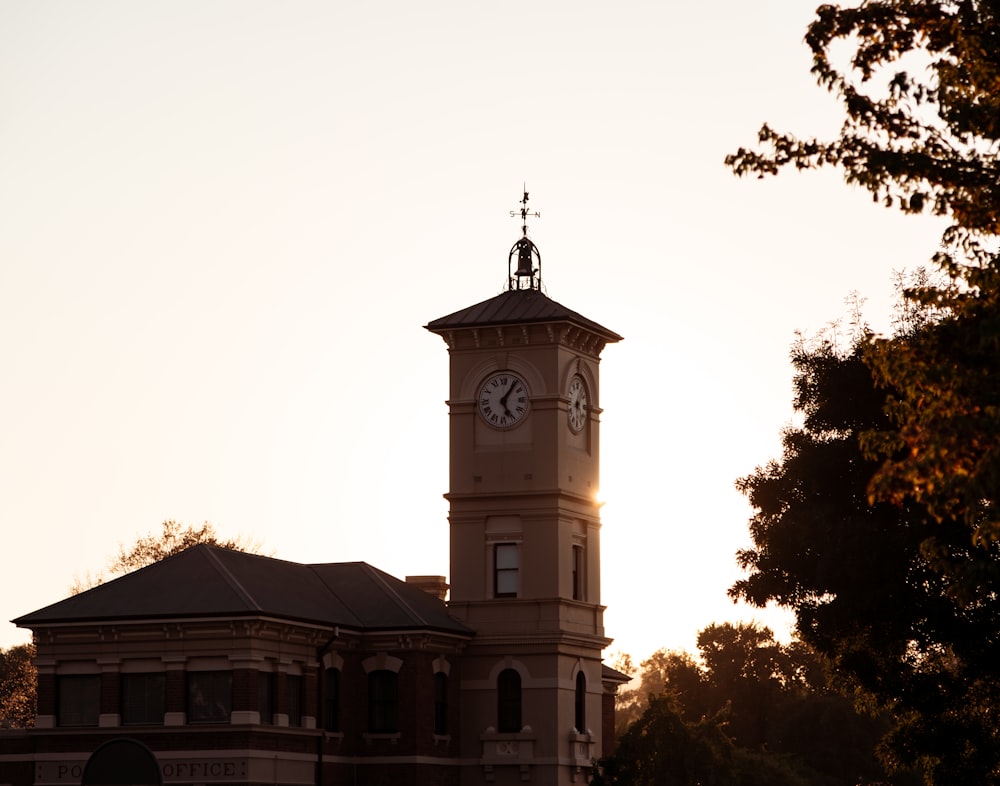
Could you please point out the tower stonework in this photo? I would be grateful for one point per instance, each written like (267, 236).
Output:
(524, 413)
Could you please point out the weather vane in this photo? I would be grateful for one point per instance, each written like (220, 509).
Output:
(524, 212)
(527, 275)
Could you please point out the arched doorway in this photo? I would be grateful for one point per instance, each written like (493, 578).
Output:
(122, 762)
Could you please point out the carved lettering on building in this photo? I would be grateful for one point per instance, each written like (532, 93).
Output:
(63, 773)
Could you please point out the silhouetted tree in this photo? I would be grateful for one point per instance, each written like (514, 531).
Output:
(662, 749)
(746, 701)
(154, 547)
(873, 585)
(917, 80)
(918, 83)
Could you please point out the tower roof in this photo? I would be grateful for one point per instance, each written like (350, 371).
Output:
(518, 306)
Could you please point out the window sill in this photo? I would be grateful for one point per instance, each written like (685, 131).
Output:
(392, 737)
(491, 734)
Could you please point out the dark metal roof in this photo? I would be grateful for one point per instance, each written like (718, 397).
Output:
(210, 581)
(609, 674)
(514, 307)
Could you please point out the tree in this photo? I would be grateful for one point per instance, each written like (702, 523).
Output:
(18, 680)
(919, 91)
(873, 584)
(921, 96)
(154, 547)
(747, 704)
(943, 447)
(662, 749)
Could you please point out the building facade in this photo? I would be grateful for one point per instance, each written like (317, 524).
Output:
(233, 668)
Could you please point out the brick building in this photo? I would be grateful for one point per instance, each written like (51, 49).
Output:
(232, 668)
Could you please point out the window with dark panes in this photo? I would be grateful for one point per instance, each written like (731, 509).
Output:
(209, 696)
(577, 573)
(293, 699)
(383, 702)
(440, 703)
(580, 705)
(505, 564)
(331, 705)
(78, 699)
(509, 701)
(265, 696)
(144, 698)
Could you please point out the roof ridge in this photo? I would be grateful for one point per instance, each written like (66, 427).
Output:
(231, 580)
(381, 576)
(321, 578)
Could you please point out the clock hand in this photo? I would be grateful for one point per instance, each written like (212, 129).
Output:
(503, 398)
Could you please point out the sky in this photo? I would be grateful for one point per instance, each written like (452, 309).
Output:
(224, 224)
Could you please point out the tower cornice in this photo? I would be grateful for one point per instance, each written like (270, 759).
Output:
(513, 313)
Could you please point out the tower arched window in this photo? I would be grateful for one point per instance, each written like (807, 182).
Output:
(580, 703)
(509, 701)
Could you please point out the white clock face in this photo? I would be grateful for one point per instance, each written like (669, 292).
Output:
(577, 412)
(503, 400)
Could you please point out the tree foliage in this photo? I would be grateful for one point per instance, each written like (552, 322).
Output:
(153, 547)
(18, 680)
(919, 81)
(903, 604)
(662, 749)
(880, 527)
(746, 710)
(942, 449)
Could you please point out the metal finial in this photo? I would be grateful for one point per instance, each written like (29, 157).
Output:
(527, 276)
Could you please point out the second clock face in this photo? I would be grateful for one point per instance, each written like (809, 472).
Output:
(577, 411)
(503, 400)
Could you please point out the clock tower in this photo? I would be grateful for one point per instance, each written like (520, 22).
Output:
(524, 413)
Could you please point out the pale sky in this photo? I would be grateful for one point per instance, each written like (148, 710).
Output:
(224, 224)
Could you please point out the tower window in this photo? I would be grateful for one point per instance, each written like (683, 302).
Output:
(509, 701)
(578, 573)
(440, 703)
(505, 573)
(383, 702)
(580, 705)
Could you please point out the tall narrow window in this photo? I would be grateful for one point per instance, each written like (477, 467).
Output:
(383, 702)
(293, 699)
(505, 571)
(265, 696)
(577, 573)
(331, 705)
(440, 703)
(144, 698)
(580, 706)
(78, 698)
(509, 701)
(210, 696)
